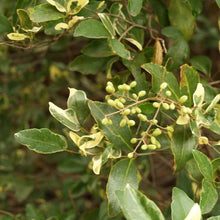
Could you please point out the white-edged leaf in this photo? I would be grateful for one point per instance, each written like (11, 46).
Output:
(41, 140)
(135, 43)
(198, 95)
(58, 6)
(107, 23)
(66, 117)
(195, 213)
(75, 6)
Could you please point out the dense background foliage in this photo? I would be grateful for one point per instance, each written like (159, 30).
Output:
(44, 51)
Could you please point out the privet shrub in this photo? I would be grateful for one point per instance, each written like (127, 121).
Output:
(158, 103)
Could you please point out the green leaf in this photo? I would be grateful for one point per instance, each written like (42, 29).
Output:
(119, 49)
(193, 170)
(202, 63)
(157, 73)
(107, 23)
(189, 78)
(218, 3)
(5, 26)
(181, 204)
(208, 197)
(134, 7)
(196, 6)
(161, 11)
(66, 117)
(122, 173)
(185, 183)
(216, 165)
(25, 20)
(183, 142)
(79, 103)
(204, 164)
(215, 217)
(32, 213)
(50, 27)
(97, 48)
(177, 53)
(172, 32)
(91, 28)
(181, 17)
(45, 12)
(41, 140)
(88, 65)
(135, 205)
(119, 136)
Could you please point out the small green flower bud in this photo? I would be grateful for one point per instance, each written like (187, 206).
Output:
(183, 99)
(155, 121)
(110, 89)
(109, 84)
(133, 84)
(133, 140)
(163, 85)
(119, 104)
(170, 129)
(126, 87)
(157, 132)
(123, 122)
(156, 104)
(131, 123)
(122, 100)
(105, 121)
(172, 106)
(126, 111)
(186, 110)
(142, 117)
(138, 110)
(133, 111)
(168, 93)
(109, 121)
(130, 155)
(151, 146)
(144, 147)
(111, 102)
(143, 133)
(203, 140)
(153, 140)
(120, 87)
(134, 95)
(107, 97)
(142, 93)
(158, 144)
(166, 106)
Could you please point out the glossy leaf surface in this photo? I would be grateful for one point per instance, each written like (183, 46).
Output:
(183, 142)
(119, 136)
(91, 29)
(181, 204)
(204, 164)
(208, 196)
(122, 173)
(41, 140)
(45, 12)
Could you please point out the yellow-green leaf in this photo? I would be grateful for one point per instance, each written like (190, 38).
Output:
(17, 36)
